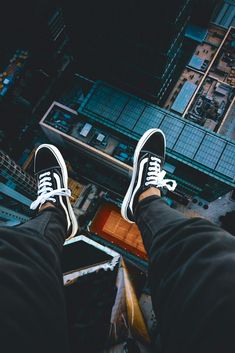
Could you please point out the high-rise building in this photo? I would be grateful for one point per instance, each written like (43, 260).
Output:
(17, 190)
(36, 53)
(109, 123)
(51, 43)
(39, 28)
(134, 44)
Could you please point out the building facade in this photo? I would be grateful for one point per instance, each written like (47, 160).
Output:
(17, 190)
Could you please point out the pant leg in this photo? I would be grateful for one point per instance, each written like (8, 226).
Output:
(32, 305)
(192, 279)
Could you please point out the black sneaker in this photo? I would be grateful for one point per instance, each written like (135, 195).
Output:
(149, 158)
(52, 178)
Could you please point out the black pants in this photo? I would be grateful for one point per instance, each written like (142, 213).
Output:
(32, 306)
(192, 279)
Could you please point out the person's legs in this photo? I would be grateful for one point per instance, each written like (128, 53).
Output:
(155, 214)
(191, 261)
(192, 281)
(50, 224)
(32, 306)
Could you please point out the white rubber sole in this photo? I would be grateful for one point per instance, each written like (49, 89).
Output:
(129, 192)
(61, 162)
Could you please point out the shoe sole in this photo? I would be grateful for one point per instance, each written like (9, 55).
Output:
(63, 167)
(139, 146)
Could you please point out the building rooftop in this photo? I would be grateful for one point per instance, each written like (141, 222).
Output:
(223, 67)
(186, 141)
(215, 35)
(196, 62)
(212, 102)
(188, 75)
(205, 91)
(196, 68)
(184, 97)
(97, 139)
(227, 127)
(109, 224)
(225, 15)
(196, 33)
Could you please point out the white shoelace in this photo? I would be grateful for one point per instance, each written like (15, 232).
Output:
(46, 192)
(156, 177)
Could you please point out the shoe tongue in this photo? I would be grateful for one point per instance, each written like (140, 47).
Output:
(146, 154)
(149, 154)
(51, 169)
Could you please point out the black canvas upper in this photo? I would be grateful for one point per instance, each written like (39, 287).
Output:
(154, 147)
